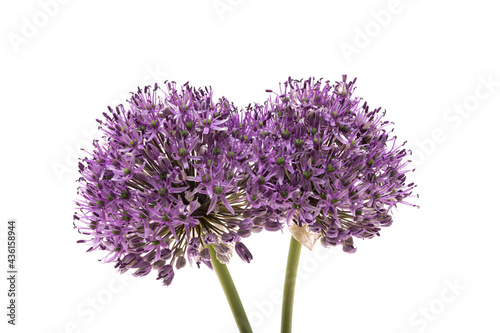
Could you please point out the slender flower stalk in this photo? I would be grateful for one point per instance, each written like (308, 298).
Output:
(231, 293)
(289, 289)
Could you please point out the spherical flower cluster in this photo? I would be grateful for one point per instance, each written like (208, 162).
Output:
(327, 162)
(168, 180)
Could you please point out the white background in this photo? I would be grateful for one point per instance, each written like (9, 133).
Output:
(434, 270)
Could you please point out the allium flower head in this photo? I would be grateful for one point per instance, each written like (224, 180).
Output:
(327, 162)
(167, 180)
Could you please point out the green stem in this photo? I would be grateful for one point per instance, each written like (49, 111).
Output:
(289, 289)
(231, 293)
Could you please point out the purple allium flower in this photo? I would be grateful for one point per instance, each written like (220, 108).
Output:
(326, 161)
(168, 179)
